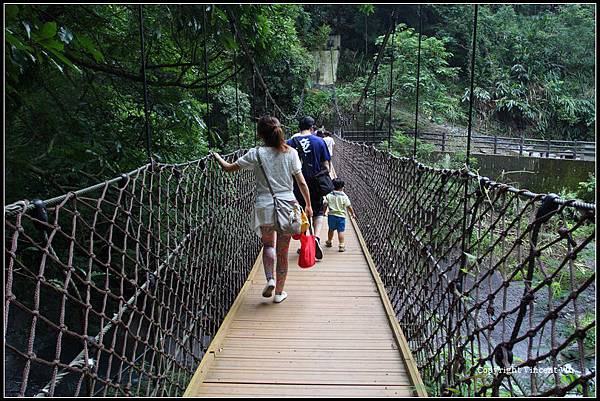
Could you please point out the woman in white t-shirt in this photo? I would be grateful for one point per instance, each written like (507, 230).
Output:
(282, 165)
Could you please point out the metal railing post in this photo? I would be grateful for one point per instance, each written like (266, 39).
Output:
(495, 144)
(521, 146)
(444, 141)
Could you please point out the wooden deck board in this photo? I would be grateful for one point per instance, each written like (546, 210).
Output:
(286, 390)
(331, 337)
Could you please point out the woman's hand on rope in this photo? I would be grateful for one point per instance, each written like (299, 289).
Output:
(229, 167)
(216, 156)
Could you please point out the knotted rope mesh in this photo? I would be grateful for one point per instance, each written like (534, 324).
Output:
(121, 289)
(509, 311)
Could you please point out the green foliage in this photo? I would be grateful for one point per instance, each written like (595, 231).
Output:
(75, 110)
(590, 338)
(318, 104)
(74, 101)
(366, 9)
(317, 38)
(403, 146)
(587, 189)
(534, 69)
(456, 161)
(434, 65)
(227, 111)
(284, 63)
(435, 100)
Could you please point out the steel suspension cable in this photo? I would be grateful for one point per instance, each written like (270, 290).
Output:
(466, 184)
(237, 101)
(367, 90)
(146, 114)
(391, 84)
(471, 95)
(266, 102)
(376, 63)
(242, 42)
(366, 37)
(418, 80)
(375, 97)
(208, 115)
(254, 105)
(365, 116)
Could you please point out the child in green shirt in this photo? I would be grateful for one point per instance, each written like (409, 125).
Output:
(337, 202)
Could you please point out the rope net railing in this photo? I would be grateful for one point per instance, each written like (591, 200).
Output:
(118, 289)
(507, 312)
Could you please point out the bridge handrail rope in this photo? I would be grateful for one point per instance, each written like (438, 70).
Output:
(165, 249)
(177, 197)
(484, 180)
(177, 172)
(454, 330)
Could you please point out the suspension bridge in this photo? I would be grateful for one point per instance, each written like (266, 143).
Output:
(149, 285)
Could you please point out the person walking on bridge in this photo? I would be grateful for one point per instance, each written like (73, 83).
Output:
(330, 142)
(315, 157)
(283, 169)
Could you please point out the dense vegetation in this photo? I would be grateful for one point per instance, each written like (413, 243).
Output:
(74, 98)
(535, 67)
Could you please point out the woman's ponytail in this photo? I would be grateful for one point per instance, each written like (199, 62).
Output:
(269, 129)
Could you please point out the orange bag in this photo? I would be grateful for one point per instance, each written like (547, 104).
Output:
(303, 225)
(308, 249)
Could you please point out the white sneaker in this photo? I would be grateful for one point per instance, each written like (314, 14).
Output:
(280, 297)
(268, 291)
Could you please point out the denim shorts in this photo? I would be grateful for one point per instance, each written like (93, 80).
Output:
(336, 223)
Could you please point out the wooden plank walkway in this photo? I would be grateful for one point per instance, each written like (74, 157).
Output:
(332, 336)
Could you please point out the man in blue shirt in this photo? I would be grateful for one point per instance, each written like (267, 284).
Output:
(314, 155)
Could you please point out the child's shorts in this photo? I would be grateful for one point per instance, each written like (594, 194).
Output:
(336, 223)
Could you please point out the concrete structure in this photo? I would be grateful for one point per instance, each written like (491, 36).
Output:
(326, 62)
(541, 175)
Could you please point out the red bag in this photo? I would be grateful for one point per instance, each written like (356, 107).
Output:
(306, 259)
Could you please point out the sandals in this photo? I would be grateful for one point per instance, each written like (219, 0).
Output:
(328, 244)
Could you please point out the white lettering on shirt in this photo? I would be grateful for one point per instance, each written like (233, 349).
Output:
(305, 142)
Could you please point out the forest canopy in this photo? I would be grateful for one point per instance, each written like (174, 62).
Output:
(74, 83)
